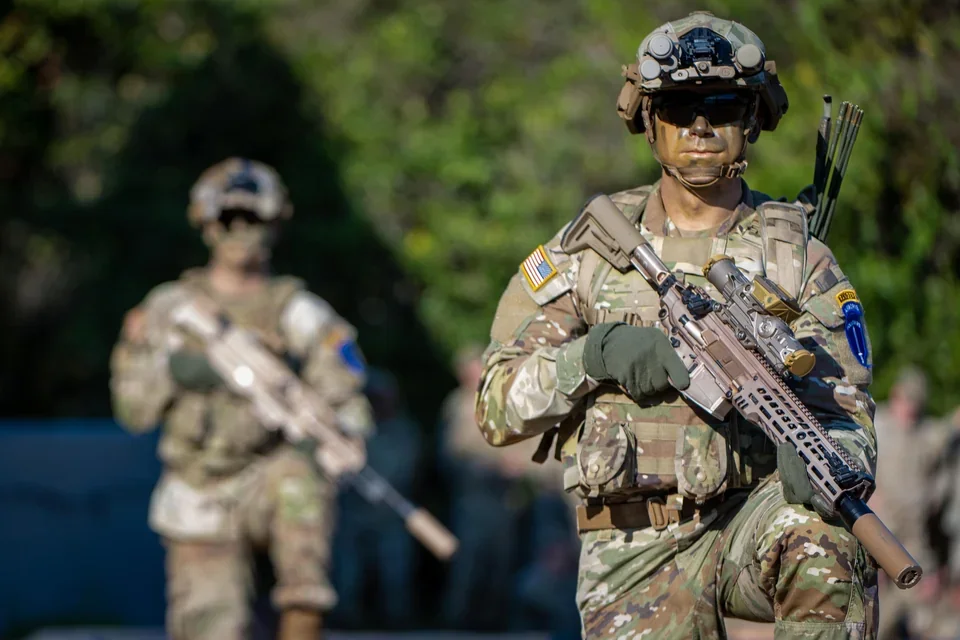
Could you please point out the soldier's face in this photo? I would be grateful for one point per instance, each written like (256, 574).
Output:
(700, 130)
(240, 240)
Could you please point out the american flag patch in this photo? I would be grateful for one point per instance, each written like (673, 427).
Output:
(537, 268)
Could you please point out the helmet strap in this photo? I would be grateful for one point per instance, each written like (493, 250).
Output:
(725, 171)
(751, 130)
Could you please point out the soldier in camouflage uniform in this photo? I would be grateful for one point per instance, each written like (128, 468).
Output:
(686, 519)
(230, 486)
(909, 445)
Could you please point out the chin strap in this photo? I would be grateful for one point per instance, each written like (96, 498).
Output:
(684, 174)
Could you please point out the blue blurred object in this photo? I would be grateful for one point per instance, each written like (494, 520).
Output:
(74, 541)
(856, 336)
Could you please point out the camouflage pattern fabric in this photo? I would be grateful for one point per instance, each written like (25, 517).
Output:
(463, 443)
(756, 558)
(287, 510)
(230, 484)
(207, 436)
(534, 376)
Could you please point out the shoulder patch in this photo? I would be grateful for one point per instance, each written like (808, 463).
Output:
(546, 273)
(853, 325)
(847, 295)
(341, 340)
(538, 269)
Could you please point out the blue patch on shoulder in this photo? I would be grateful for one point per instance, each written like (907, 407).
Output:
(856, 334)
(352, 357)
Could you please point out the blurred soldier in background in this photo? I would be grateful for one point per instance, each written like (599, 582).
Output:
(686, 518)
(941, 617)
(371, 544)
(231, 486)
(903, 498)
(491, 492)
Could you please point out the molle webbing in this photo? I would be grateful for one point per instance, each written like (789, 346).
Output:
(783, 228)
(593, 270)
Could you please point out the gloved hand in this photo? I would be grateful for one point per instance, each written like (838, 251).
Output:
(191, 370)
(639, 358)
(797, 488)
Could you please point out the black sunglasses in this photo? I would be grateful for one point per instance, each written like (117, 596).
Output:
(682, 108)
(228, 216)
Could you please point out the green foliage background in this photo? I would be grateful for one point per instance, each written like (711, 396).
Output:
(429, 146)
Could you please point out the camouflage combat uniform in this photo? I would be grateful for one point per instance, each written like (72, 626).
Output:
(230, 486)
(744, 552)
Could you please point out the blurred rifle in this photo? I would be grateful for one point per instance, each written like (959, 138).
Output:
(281, 401)
(833, 154)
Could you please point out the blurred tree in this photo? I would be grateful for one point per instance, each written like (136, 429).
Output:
(474, 132)
(146, 100)
(464, 134)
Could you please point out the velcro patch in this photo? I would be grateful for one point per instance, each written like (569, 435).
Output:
(847, 295)
(341, 341)
(537, 268)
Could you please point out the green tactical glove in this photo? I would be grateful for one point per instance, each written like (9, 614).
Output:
(639, 358)
(797, 488)
(191, 370)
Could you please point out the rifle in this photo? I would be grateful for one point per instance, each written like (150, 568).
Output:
(738, 353)
(281, 401)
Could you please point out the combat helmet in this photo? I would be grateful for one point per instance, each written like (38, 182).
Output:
(701, 52)
(239, 183)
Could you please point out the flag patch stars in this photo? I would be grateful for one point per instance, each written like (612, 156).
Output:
(537, 268)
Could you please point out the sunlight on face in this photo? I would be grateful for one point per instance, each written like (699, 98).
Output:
(698, 145)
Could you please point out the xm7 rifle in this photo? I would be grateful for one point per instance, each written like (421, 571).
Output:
(738, 353)
(281, 401)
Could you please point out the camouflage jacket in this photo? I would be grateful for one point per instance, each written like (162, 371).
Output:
(615, 448)
(214, 434)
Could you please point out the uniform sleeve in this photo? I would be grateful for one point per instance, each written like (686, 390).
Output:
(533, 375)
(141, 388)
(836, 390)
(333, 364)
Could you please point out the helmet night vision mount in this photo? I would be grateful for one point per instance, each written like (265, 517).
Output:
(700, 52)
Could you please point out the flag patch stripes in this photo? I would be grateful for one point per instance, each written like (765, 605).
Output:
(537, 268)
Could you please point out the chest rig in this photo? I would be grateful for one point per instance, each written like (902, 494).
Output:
(216, 433)
(626, 448)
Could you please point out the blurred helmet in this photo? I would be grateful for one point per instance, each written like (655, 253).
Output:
(238, 183)
(911, 383)
(700, 52)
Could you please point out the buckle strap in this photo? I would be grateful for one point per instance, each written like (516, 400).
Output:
(657, 512)
(664, 512)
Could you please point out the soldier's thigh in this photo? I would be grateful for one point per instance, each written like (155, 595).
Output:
(207, 590)
(631, 586)
(301, 516)
(782, 562)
